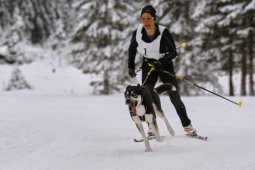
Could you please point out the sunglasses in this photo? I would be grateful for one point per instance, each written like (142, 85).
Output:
(147, 18)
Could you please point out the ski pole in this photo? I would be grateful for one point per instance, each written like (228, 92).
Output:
(187, 81)
(183, 45)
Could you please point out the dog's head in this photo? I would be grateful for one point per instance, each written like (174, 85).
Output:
(133, 95)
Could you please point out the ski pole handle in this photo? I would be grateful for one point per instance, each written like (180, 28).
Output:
(183, 45)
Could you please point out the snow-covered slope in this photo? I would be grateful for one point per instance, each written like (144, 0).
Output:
(66, 128)
(46, 77)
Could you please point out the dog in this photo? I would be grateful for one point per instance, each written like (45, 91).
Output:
(144, 104)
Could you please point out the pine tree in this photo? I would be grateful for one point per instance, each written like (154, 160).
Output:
(101, 38)
(217, 38)
(17, 81)
(248, 31)
(30, 23)
(191, 64)
(227, 25)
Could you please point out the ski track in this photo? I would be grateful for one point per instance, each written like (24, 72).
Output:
(53, 132)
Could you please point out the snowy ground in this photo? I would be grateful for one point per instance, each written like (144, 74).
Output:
(69, 129)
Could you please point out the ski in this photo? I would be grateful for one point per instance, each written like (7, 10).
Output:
(205, 138)
(149, 138)
(196, 136)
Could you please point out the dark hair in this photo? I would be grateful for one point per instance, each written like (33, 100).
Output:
(149, 9)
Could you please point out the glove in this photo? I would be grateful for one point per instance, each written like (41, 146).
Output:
(131, 72)
(157, 65)
(167, 58)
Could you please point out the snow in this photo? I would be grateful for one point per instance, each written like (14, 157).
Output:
(4, 50)
(250, 6)
(47, 77)
(59, 125)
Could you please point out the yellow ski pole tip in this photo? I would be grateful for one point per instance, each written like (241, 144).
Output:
(184, 44)
(240, 103)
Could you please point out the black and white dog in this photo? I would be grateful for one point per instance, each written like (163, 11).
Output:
(144, 104)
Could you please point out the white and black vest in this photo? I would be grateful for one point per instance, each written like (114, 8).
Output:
(152, 49)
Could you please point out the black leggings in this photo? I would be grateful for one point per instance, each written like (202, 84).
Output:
(175, 98)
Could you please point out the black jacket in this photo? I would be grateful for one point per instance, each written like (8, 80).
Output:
(167, 45)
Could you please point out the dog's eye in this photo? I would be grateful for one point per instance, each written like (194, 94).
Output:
(134, 95)
(127, 93)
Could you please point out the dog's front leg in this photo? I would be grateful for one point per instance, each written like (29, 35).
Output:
(146, 142)
(153, 124)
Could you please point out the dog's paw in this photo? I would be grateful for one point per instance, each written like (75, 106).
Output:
(148, 149)
(160, 139)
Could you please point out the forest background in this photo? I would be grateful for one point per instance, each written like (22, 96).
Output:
(94, 36)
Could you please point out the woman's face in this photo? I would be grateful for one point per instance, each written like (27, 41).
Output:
(147, 20)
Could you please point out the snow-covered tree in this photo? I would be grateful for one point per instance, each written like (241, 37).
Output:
(101, 41)
(224, 29)
(29, 23)
(17, 81)
(177, 17)
(245, 21)
(95, 35)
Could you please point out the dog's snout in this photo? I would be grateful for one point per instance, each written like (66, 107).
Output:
(127, 100)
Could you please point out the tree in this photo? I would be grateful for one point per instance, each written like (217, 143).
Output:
(31, 23)
(17, 81)
(231, 25)
(191, 64)
(249, 10)
(100, 39)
